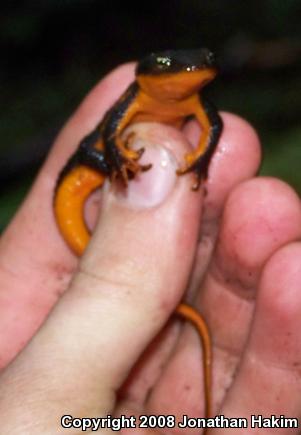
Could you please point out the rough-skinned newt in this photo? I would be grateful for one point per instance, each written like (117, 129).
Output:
(167, 90)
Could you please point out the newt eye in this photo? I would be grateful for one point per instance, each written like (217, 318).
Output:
(163, 62)
(155, 63)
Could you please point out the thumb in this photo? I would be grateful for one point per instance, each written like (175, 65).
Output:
(129, 281)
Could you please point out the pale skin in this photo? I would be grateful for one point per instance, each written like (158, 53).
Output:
(118, 297)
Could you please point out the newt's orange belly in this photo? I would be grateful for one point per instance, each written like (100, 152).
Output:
(164, 118)
(173, 113)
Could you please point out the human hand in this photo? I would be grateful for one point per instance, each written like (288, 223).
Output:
(96, 341)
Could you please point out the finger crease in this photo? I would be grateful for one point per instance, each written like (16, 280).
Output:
(104, 280)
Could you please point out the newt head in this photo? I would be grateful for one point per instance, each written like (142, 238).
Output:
(175, 74)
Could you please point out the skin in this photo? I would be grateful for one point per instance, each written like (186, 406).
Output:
(248, 259)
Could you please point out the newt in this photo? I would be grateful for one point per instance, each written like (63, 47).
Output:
(167, 89)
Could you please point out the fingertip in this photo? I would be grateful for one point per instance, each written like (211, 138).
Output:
(240, 127)
(263, 214)
(239, 150)
(280, 285)
(237, 158)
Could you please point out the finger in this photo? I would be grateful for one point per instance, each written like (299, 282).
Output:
(268, 380)
(130, 280)
(35, 263)
(260, 216)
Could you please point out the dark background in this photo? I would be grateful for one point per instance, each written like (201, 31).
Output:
(52, 53)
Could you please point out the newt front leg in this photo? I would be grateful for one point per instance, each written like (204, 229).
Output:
(122, 160)
(199, 159)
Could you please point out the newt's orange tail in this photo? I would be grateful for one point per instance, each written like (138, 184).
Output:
(69, 204)
(193, 316)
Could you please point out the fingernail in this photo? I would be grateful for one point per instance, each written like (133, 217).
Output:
(151, 187)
